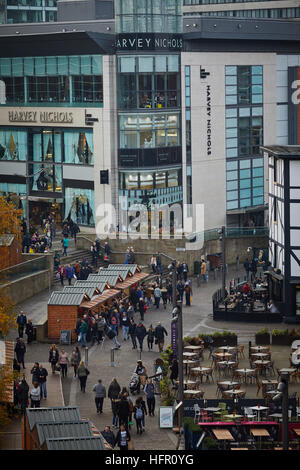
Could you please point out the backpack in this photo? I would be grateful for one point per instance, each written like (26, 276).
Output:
(138, 413)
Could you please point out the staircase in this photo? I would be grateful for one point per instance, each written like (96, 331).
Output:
(73, 256)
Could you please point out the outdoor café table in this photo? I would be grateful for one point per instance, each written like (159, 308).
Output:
(227, 364)
(223, 434)
(186, 383)
(260, 355)
(288, 370)
(245, 372)
(193, 348)
(223, 355)
(189, 354)
(233, 416)
(235, 392)
(201, 370)
(193, 392)
(259, 432)
(258, 409)
(259, 348)
(226, 348)
(228, 383)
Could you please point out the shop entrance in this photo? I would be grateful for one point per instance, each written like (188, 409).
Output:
(41, 208)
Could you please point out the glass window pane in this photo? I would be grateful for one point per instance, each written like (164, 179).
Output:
(257, 80)
(85, 64)
(245, 203)
(231, 90)
(51, 68)
(232, 185)
(127, 64)
(258, 172)
(17, 67)
(231, 99)
(146, 181)
(245, 193)
(257, 89)
(257, 99)
(259, 191)
(232, 205)
(244, 112)
(5, 67)
(257, 182)
(231, 195)
(257, 201)
(74, 64)
(231, 153)
(257, 162)
(244, 164)
(245, 183)
(40, 68)
(244, 174)
(232, 175)
(145, 64)
(231, 132)
(257, 111)
(62, 64)
(231, 143)
(173, 63)
(231, 122)
(230, 70)
(256, 69)
(231, 80)
(28, 66)
(232, 165)
(161, 63)
(231, 112)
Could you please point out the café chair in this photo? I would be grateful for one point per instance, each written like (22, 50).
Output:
(196, 412)
(240, 351)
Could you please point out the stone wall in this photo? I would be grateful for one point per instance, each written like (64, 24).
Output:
(145, 248)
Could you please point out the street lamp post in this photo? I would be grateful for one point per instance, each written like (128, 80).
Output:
(177, 316)
(222, 234)
(283, 394)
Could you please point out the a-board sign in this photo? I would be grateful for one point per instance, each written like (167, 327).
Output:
(65, 336)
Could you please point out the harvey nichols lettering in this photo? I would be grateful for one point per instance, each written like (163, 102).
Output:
(149, 42)
(42, 116)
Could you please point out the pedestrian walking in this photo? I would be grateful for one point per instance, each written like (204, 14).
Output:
(53, 357)
(160, 332)
(115, 402)
(125, 323)
(43, 373)
(180, 289)
(23, 394)
(174, 371)
(100, 394)
(62, 274)
(101, 324)
(157, 296)
(21, 321)
(29, 332)
(63, 362)
(150, 337)
(185, 270)
(158, 263)
(203, 271)
(35, 396)
(123, 412)
(138, 416)
(35, 372)
(142, 308)
(132, 333)
(153, 264)
(69, 273)
(82, 373)
(65, 245)
(75, 359)
(122, 438)
(140, 334)
(164, 296)
(20, 350)
(109, 436)
(140, 402)
(83, 329)
(149, 391)
(188, 294)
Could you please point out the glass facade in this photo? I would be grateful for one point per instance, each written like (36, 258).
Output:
(65, 80)
(148, 16)
(149, 82)
(13, 144)
(149, 130)
(80, 205)
(31, 11)
(273, 13)
(244, 136)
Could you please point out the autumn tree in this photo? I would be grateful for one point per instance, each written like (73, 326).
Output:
(10, 224)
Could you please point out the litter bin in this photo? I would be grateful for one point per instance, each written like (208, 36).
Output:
(197, 267)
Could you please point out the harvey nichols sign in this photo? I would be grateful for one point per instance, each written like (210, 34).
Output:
(149, 42)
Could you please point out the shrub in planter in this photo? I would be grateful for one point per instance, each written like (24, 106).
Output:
(262, 337)
(210, 444)
(281, 337)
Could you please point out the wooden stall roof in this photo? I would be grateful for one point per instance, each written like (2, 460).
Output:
(100, 299)
(107, 278)
(98, 284)
(133, 267)
(67, 298)
(89, 291)
(124, 271)
(138, 277)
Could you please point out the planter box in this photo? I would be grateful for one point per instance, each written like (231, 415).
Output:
(282, 340)
(225, 341)
(262, 339)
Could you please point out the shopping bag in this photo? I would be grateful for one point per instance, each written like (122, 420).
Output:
(79, 337)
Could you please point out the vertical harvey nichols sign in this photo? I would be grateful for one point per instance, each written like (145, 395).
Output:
(149, 42)
(208, 114)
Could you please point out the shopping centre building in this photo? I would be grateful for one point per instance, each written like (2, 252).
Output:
(149, 106)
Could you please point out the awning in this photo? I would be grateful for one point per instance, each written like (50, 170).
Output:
(100, 299)
(138, 277)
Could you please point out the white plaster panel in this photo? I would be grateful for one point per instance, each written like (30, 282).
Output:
(295, 237)
(295, 173)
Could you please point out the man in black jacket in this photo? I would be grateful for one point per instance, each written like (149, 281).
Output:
(42, 379)
(140, 334)
(21, 321)
(132, 332)
(109, 436)
(160, 332)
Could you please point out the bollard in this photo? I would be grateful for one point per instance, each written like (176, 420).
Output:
(112, 357)
(86, 355)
